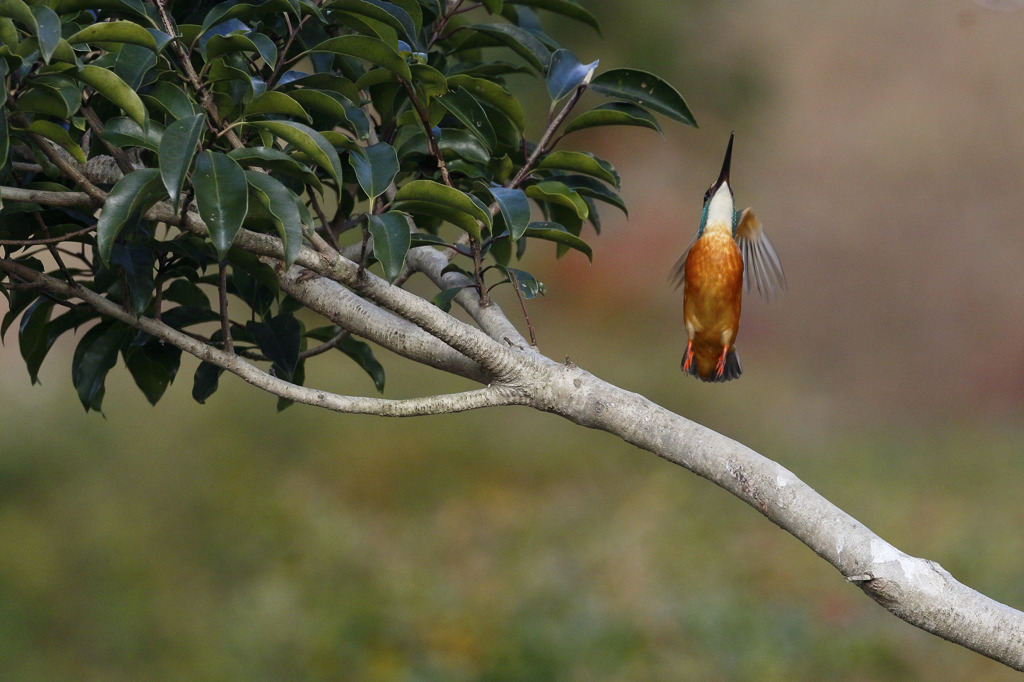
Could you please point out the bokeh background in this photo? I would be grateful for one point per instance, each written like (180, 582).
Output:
(879, 142)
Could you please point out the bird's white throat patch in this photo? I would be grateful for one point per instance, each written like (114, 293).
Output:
(720, 210)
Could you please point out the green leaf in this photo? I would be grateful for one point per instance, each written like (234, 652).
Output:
(4, 141)
(515, 209)
(58, 134)
(589, 187)
(528, 285)
(645, 89)
(153, 366)
(124, 132)
(495, 95)
(171, 99)
(558, 193)
(613, 114)
(567, 8)
(433, 198)
(283, 204)
(279, 338)
(273, 102)
(392, 15)
(221, 196)
(55, 95)
(363, 355)
(371, 49)
(376, 168)
(205, 382)
(177, 147)
(252, 42)
(47, 30)
(40, 345)
(133, 194)
(565, 74)
(309, 141)
(391, 241)
(239, 10)
(94, 356)
(443, 299)
(275, 159)
(137, 262)
(110, 85)
(581, 162)
(464, 107)
(114, 32)
(334, 105)
(431, 81)
(556, 233)
(32, 335)
(520, 41)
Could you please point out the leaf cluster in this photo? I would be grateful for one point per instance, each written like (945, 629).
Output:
(374, 126)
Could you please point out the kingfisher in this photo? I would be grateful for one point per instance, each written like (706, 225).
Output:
(730, 252)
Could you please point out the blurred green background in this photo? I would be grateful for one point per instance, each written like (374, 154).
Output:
(879, 143)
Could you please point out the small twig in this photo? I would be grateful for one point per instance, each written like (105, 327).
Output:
(60, 162)
(432, 145)
(120, 157)
(522, 304)
(46, 240)
(544, 144)
(327, 345)
(225, 321)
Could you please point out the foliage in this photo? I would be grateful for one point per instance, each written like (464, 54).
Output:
(378, 126)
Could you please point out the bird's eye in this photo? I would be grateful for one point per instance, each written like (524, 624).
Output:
(707, 195)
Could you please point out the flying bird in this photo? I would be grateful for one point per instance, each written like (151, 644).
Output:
(730, 252)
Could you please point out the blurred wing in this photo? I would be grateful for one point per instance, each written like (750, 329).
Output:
(678, 273)
(761, 267)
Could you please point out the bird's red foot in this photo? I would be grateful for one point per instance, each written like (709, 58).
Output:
(688, 357)
(720, 367)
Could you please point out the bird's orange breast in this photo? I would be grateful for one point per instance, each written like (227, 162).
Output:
(712, 296)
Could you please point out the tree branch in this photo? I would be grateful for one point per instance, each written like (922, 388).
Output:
(489, 396)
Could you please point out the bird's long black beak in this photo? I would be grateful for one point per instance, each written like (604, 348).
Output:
(724, 177)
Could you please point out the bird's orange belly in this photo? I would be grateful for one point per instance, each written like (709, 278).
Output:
(712, 297)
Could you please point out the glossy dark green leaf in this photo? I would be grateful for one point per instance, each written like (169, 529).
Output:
(32, 335)
(614, 114)
(565, 73)
(279, 339)
(58, 134)
(111, 86)
(133, 194)
(310, 142)
(136, 262)
(494, 94)
(124, 132)
(240, 10)
(40, 345)
(556, 233)
(376, 168)
(363, 355)
(50, 95)
(391, 241)
(132, 8)
(645, 89)
(581, 162)
(463, 106)
(94, 357)
(335, 106)
(520, 41)
(443, 299)
(589, 187)
(5, 142)
(47, 30)
(529, 286)
(283, 204)
(171, 99)
(222, 197)
(153, 366)
(114, 32)
(371, 49)
(567, 8)
(276, 160)
(558, 193)
(515, 209)
(134, 64)
(425, 196)
(252, 42)
(386, 12)
(205, 382)
(274, 102)
(177, 148)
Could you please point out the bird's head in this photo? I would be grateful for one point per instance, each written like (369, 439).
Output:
(718, 202)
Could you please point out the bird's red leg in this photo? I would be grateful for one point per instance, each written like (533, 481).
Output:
(688, 356)
(720, 367)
